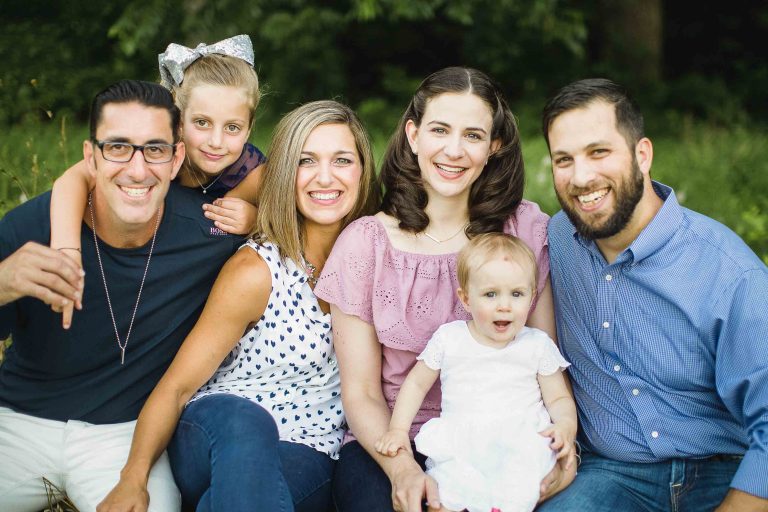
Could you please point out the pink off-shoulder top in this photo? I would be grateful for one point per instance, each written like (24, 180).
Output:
(407, 296)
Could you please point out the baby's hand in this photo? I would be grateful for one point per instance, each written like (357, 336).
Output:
(393, 441)
(233, 215)
(562, 442)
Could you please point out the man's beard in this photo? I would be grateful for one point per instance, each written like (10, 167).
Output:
(626, 197)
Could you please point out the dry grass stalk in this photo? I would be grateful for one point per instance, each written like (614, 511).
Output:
(57, 499)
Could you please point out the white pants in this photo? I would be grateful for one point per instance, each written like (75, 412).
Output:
(81, 459)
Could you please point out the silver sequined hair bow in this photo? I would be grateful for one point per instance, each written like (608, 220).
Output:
(177, 58)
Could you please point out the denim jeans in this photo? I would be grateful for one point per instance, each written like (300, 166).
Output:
(677, 485)
(226, 456)
(359, 482)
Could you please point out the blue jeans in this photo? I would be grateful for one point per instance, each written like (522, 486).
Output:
(359, 482)
(677, 485)
(226, 456)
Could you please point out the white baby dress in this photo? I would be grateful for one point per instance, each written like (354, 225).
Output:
(484, 450)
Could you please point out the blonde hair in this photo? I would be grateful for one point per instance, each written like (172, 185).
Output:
(278, 218)
(481, 248)
(216, 69)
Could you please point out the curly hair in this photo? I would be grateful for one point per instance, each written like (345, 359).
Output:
(496, 193)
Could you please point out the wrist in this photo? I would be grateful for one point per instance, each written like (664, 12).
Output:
(137, 474)
(400, 463)
(568, 427)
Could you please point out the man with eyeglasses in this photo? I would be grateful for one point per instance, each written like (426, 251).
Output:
(69, 398)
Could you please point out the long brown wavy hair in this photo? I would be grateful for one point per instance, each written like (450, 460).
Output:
(498, 190)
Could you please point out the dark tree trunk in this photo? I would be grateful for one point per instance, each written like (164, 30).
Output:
(628, 37)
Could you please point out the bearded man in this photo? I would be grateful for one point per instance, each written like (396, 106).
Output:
(661, 312)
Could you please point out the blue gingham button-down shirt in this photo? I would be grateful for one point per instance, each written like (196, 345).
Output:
(669, 343)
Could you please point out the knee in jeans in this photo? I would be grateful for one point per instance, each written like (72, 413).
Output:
(241, 417)
(252, 419)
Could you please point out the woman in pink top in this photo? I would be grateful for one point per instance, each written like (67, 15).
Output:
(453, 169)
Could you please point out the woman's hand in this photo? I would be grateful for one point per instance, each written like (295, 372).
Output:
(410, 485)
(556, 480)
(233, 215)
(126, 496)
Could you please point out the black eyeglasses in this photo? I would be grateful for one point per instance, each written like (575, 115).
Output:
(123, 151)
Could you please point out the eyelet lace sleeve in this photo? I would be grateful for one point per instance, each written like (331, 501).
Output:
(347, 280)
(550, 359)
(529, 224)
(432, 355)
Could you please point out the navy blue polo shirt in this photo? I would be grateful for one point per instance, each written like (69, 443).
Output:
(76, 374)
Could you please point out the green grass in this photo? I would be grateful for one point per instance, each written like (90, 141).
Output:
(720, 172)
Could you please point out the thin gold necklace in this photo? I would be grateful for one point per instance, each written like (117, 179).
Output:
(462, 228)
(121, 344)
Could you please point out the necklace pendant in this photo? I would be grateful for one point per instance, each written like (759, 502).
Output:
(120, 344)
(205, 191)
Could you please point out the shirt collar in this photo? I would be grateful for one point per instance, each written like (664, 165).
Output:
(662, 227)
(657, 233)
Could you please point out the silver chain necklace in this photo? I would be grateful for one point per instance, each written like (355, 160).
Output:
(120, 344)
(205, 187)
(462, 228)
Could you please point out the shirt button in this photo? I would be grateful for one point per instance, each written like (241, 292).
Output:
(617, 368)
(608, 277)
(606, 324)
(654, 434)
(635, 391)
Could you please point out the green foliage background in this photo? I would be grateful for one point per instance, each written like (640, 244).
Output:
(700, 75)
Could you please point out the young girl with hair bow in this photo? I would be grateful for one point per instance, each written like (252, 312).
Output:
(217, 90)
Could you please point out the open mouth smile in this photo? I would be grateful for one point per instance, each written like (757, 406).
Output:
(450, 170)
(325, 196)
(135, 191)
(593, 198)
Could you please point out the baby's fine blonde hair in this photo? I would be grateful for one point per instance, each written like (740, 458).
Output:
(483, 247)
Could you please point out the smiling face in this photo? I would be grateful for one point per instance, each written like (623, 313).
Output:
(597, 177)
(499, 296)
(452, 143)
(215, 126)
(328, 177)
(128, 195)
